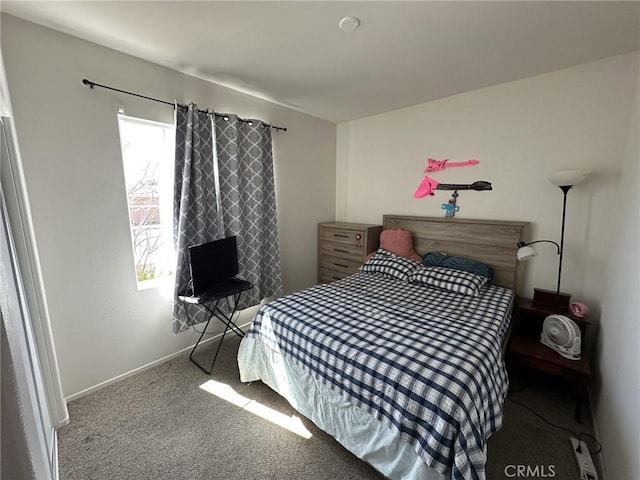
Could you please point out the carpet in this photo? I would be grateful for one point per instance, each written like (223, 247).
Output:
(160, 425)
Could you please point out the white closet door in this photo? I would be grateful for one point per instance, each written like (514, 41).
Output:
(37, 387)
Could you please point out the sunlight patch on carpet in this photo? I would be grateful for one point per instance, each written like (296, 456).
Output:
(227, 393)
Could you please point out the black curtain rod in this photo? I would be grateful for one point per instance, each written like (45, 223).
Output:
(94, 84)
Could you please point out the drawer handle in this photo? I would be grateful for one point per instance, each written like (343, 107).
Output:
(340, 250)
(340, 265)
(340, 235)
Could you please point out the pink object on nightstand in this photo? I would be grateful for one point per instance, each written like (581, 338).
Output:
(579, 309)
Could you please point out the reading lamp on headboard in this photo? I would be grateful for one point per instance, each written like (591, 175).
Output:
(565, 179)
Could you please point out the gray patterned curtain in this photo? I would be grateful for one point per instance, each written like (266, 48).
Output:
(248, 203)
(224, 186)
(195, 211)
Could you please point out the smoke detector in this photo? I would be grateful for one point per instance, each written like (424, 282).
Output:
(349, 24)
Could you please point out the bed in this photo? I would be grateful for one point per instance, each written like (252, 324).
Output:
(408, 377)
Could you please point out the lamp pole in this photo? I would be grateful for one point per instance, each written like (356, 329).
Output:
(565, 189)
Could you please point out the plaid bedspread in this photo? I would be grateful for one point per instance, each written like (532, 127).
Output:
(425, 362)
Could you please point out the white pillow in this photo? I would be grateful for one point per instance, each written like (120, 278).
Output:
(449, 279)
(390, 265)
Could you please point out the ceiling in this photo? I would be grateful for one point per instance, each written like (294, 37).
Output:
(404, 53)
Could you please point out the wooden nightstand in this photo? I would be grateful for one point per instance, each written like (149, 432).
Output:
(343, 247)
(525, 348)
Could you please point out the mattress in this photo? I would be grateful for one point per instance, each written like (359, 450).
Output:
(407, 377)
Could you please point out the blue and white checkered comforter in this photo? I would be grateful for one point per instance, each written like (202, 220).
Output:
(426, 362)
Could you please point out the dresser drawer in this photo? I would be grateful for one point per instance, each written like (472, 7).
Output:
(342, 236)
(342, 251)
(328, 276)
(341, 265)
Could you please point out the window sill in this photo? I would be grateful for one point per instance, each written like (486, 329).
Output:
(163, 283)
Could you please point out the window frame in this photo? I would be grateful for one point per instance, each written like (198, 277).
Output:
(165, 214)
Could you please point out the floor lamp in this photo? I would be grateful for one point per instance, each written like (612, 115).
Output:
(565, 179)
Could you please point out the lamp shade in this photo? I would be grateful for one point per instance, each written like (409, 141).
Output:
(526, 252)
(564, 178)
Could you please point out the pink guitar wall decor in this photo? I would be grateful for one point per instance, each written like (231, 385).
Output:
(434, 165)
(430, 185)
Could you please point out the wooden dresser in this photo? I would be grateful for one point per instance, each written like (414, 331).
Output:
(343, 247)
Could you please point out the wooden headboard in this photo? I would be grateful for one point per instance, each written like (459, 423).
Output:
(489, 241)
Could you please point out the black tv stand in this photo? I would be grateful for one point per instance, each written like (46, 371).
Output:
(211, 302)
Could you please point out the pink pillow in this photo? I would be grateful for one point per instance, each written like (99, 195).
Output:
(400, 242)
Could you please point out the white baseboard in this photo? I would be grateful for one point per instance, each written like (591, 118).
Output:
(135, 371)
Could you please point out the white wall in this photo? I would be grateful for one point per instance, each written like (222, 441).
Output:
(520, 131)
(103, 326)
(617, 392)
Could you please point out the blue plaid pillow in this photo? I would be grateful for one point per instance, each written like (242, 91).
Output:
(390, 265)
(449, 279)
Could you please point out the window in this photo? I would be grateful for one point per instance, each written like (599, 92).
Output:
(148, 158)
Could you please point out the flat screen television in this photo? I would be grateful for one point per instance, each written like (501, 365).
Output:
(212, 263)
